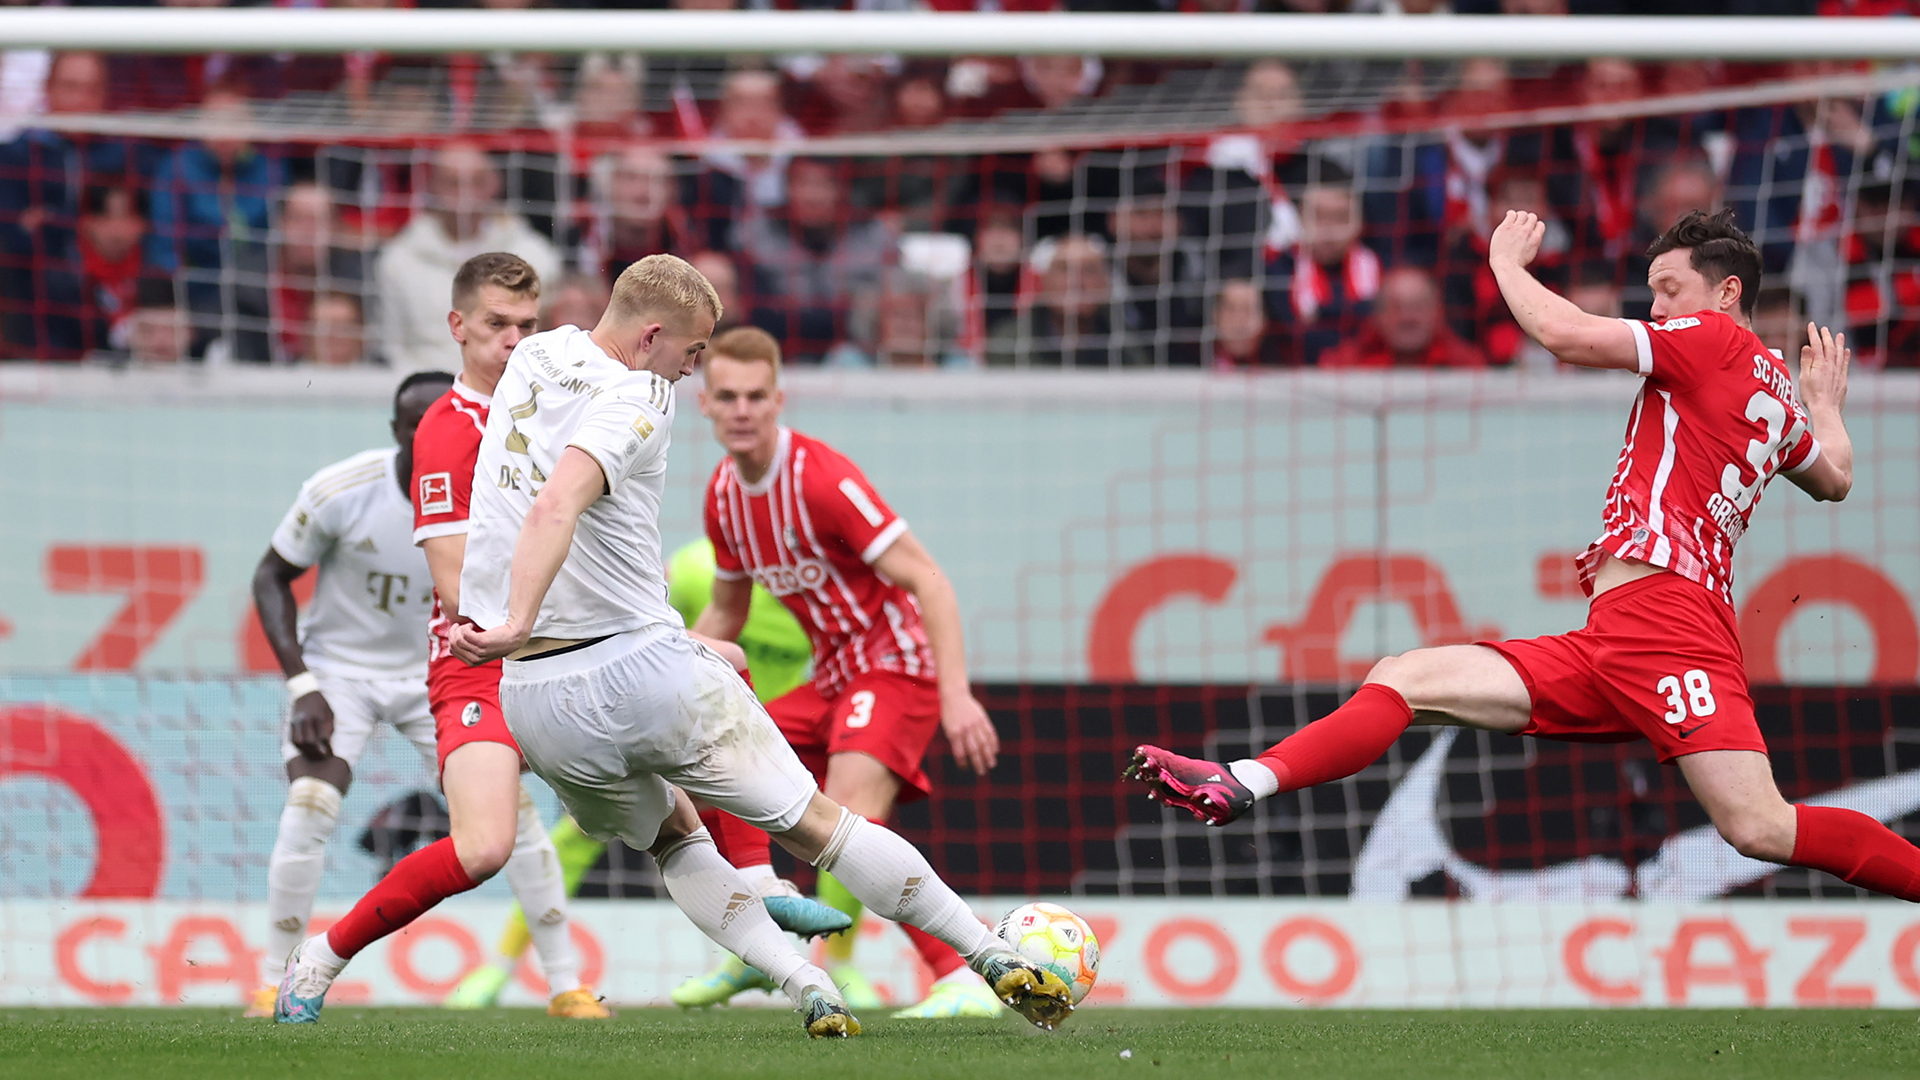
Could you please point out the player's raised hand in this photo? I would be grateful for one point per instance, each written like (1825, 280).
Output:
(310, 727)
(1517, 238)
(976, 745)
(1823, 369)
(475, 646)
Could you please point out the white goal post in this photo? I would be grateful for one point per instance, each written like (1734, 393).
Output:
(920, 33)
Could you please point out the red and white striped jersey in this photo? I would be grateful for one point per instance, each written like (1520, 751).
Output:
(445, 446)
(1716, 418)
(809, 532)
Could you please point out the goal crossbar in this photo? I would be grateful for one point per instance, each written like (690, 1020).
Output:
(330, 30)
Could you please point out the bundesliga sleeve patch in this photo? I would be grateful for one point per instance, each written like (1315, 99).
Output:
(1675, 324)
(436, 493)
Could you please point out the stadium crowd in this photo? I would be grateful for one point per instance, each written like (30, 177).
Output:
(1333, 215)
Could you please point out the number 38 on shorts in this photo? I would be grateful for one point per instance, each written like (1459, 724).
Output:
(1687, 695)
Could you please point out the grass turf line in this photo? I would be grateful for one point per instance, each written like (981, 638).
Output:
(352, 1042)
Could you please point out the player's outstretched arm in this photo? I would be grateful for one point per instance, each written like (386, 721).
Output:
(976, 745)
(310, 727)
(1572, 335)
(545, 537)
(1823, 390)
(726, 612)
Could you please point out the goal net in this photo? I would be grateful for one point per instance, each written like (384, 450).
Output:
(1190, 372)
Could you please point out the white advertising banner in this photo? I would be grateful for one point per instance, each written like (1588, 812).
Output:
(1159, 952)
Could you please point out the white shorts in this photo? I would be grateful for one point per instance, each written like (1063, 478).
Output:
(359, 705)
(612, 727)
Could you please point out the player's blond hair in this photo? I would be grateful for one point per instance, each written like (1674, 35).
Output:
(663, 288)
(747, 344)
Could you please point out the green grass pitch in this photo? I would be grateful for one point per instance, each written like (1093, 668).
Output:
(767, 1044)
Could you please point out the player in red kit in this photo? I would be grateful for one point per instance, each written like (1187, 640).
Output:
(494, 826)
(889, 666)
(1659, 659)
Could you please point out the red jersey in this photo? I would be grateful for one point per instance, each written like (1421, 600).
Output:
(809, 532)
(445, 446)
(1716, 418)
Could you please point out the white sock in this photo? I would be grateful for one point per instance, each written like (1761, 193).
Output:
(293, 870)
(894, 880)
(1259, 779)
(726, 909)
(764, 881)
(533, 873)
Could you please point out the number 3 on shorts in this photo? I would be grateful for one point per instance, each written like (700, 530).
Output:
(862, 713)
(1698, 695)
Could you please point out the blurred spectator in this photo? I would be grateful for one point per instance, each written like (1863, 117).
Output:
(42, 175)
(1322, 289)
(1683, 184)
(157, 332)
(113, 225)
(574, 300)
(412, 272)
(1426, 186)
(1240, 338)
(1235, 201)
(730, 182)
(339, 336)
(920, 97)
(1157, 286)
(1054, 82)
(846, 95)
(1804, 158)
(1406, 330)
(1475, 308)
(717, 267)
(1595, 291)
(211, 202)
(808, 261)
(907, 325)
(310, 260)
(1602, 166)
(633, 212)
(1069, 322)
(607, 97)
(1000, 254)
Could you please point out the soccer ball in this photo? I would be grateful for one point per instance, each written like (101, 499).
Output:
(1056, 939)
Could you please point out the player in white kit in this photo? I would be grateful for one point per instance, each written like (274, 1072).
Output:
(357, 659)
(612, 702)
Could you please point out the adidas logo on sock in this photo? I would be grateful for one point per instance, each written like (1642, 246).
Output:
(907, 894)
(736, 904)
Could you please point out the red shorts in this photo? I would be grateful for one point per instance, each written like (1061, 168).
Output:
(884, 714)
(1659, 659)
(466, 705)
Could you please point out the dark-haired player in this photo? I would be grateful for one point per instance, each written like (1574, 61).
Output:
(1659, 658)
(356, 659)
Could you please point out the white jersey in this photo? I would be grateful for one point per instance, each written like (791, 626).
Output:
(560, 390)
(368, 618)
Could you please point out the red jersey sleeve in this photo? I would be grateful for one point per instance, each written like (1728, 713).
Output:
(726, 559)
(1679, 353)
(843, 505)
(445, 447)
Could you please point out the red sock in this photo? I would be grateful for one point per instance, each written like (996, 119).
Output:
(740, 843)
(1341, 743)
(937, 954)
(1856, 849)
(415, 884)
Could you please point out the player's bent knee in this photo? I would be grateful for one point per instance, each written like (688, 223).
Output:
(1758, 836)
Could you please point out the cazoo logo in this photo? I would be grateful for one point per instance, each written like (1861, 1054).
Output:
(787, 580)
